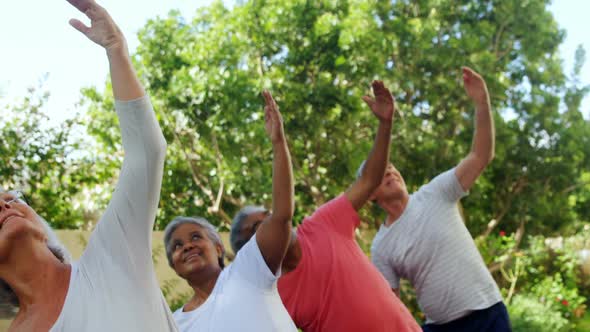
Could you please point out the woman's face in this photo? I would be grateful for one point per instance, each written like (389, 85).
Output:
(193, 251)
(18, 224)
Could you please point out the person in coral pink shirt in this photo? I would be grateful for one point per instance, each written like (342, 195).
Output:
(328, 283)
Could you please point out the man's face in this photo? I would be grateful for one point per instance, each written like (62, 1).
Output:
(392, 186)
(18, 222)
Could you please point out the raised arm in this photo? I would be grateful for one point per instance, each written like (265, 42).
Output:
(104, 32)
(482, 148)
(274, 233)
(124, 231)
(383, 107)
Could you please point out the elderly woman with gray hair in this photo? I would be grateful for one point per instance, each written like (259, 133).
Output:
(113, 286)
(243, 296)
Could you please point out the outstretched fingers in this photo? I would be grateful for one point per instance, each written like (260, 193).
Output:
(78, 25)
(470, 75)
(382, 92)
(269, 100)
(82, 5)
(370, 101)
(378, 86)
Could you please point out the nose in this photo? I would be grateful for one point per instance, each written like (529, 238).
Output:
(188, 247)
(4, 205)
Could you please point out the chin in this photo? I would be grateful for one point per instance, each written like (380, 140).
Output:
(13, 235)
(393, 195)
(190, 268)
(15, 228)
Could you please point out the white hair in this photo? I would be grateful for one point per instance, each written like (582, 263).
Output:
(212, 234)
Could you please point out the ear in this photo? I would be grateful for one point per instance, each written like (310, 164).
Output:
(219, 250)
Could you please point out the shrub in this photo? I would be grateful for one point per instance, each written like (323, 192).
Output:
(529, 314)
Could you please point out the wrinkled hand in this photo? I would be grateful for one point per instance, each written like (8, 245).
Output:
(273, 121)
(383, 105)
(475, 86)
(103, 30)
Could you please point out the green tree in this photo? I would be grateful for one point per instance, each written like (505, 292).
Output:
(41, 160)
(318, 57)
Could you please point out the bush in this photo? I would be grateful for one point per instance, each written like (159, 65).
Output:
(529, 314)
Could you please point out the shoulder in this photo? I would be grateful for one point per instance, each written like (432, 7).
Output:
(339, 204)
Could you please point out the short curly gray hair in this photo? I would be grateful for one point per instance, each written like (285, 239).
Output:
(8, 300)
(236, 238)
(202, 222)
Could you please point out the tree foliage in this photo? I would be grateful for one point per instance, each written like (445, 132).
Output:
(318, 57)
(43, 161)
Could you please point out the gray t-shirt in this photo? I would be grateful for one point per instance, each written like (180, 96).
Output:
(430, 246)
(113, 286)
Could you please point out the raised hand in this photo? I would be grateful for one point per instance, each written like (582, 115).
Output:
(475, 86)
(102, 29)
(273, 121)
(383, 105)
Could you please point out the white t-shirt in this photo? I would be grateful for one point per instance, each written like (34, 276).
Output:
(430, 246)
(245, 299)
(113, 286)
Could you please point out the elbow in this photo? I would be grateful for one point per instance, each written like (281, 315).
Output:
(491, 157)
(161, 145)
(487, 158)
(158, 148)
(370, 183)
(283, 217)
(483, 159)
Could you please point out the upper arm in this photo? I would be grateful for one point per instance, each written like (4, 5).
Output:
(138, 190)
(272, 237)
(124, 231)
(252, 266)
(469, 169)
(386, 270)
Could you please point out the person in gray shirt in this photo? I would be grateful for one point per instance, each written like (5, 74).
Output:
(113, 286)
(423, 239)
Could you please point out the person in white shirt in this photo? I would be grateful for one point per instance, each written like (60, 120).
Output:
(423, 239)
(113, 286)
(243, 296)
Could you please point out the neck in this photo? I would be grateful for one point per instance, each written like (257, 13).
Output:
(202, 285)
(394, 207)
(39, 280)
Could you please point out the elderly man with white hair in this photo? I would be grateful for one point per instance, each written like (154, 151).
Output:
(113, 286)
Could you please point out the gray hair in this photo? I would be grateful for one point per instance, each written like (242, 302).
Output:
(236, 239)
(202, 222)
(8, 299)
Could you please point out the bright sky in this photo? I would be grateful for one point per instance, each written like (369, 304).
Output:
(36, 39)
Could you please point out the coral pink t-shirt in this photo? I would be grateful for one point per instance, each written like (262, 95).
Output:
(335, 287)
